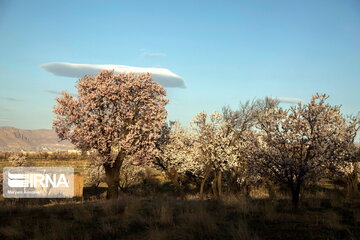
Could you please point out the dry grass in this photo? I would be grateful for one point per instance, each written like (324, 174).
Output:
(163, 217)
(151, 210)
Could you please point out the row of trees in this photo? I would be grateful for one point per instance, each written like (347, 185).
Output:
(122, 117)
(263, 142)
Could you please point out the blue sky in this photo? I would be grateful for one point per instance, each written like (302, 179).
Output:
(227, 51)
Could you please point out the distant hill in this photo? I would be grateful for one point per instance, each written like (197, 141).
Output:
(15, 139)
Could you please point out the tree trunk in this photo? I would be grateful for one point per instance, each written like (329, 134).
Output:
(112, 173)
(352, 187)
(295, 195)
(271, 189)
(174, 177)
(352, 183)
(214, 187)
(219, 185)
(202, 186)
(245, 189)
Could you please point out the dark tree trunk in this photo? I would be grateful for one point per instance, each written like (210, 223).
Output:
(112, 173)
(352, 186)
(352, 182)
(245, 189)
(271, 189)
(214, 187)
(174, 177)
(202, 185)
(295, 195)
(219, 183)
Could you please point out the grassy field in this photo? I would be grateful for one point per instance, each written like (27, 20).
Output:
(78, 165)
(164, 217)
(153, 210)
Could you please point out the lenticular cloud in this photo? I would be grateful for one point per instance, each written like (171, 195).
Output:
(161, 75)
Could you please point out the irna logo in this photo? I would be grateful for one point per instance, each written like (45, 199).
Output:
(38, 182)
(35, 180)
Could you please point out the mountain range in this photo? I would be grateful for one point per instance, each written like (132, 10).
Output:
(15, 139)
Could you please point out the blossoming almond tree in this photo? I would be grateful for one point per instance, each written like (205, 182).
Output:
(214, 149)
(214, 145)
(222, 144)
(177, 155)
(114, 114)
(94, 172)
(301, 144)
(240, 124)
(348, 173)
(199, 151)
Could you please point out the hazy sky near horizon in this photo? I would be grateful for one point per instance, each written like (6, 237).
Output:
(226, 51)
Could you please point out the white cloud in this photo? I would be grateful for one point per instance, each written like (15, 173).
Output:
(161, 75)
(286, 99)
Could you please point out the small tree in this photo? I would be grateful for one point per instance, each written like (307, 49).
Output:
(177, 154)
(240, 126)
(348, 173)
(214, 148)
(94, 172)
(213, 145)
(222, 144)
(18, 160)
(130, 175)
(302, 144)
(116, 115)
